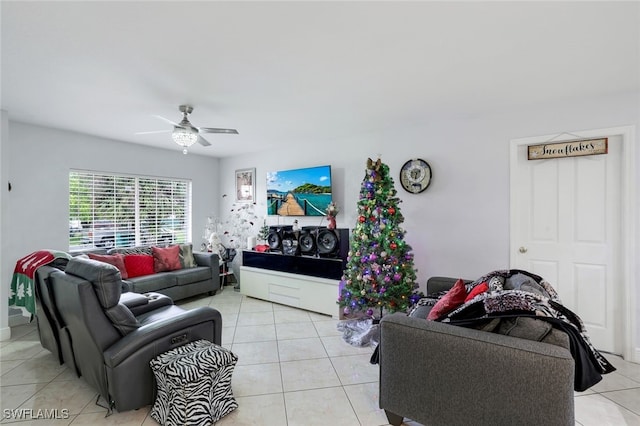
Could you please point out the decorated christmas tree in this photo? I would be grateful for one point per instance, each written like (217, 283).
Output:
(379, 276)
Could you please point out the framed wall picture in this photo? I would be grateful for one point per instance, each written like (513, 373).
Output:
(246, 185)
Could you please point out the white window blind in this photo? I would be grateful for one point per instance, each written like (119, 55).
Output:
(109, 210)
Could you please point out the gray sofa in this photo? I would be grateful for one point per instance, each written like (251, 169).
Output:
(440, 374)
(179, 284)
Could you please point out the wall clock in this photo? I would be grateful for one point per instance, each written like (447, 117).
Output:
(415, 175)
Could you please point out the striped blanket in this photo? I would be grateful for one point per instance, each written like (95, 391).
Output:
(22, 293)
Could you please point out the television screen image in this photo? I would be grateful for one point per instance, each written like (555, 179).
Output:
(299, 192)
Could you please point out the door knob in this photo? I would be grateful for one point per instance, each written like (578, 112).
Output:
(522, 249)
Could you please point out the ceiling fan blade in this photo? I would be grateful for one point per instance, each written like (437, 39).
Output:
(214, 130)
(202, 141)
(167, 120)
(152, 132)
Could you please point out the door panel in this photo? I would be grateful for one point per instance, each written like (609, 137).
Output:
(544, 201)
(591, 279)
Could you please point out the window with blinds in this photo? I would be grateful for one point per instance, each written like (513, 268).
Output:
(109, 210)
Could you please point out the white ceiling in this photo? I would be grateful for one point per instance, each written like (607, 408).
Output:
(286, 73)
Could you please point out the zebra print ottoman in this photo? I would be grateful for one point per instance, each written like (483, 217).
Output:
(193, 384)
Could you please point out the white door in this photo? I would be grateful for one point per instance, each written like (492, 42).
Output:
(566, 223)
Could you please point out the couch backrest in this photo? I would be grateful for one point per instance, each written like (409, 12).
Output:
(438, 284)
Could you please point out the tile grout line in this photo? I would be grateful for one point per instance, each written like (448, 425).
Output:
(604, 394)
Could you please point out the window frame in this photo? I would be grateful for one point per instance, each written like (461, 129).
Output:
(147, 210)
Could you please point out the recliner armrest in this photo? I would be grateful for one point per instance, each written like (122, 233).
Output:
(162, 329)
(132, 300)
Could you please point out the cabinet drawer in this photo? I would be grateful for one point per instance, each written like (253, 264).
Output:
(311, 293)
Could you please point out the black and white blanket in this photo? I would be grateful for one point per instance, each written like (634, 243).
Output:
(518, 293)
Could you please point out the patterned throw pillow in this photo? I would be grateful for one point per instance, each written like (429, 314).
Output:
(454, 298)
(130, 250)
(166, 259)
(186, 256)
(116, 260)
(138, 265)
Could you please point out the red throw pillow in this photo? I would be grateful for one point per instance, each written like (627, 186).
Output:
(479, 289)
(166, 259)
(116, 260)
(138, 264)
(451, 300)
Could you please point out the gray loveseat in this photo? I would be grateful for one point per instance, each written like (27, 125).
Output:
(178, 284)
(441, 374)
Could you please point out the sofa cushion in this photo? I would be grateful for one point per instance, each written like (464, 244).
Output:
(104, 278)
(116, 260)
(451, 300)
(166, 259)
(192, 275)
(153, 282)
(558, 338)
(186, 256)
(138, 265)
(525, 328)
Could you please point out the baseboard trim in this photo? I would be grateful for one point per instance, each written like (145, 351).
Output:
(15, 320)
(5, 334)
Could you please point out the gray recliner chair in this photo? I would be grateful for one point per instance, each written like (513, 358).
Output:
(111, 346)
(52, 330)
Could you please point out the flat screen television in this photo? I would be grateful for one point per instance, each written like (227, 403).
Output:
(299, 192)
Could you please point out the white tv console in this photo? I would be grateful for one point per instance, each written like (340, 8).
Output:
(313, 293)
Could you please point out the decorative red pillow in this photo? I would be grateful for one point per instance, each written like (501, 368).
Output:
(116, 260)
(166, 259)
(138, 264)
(479, 289)
(451, 300)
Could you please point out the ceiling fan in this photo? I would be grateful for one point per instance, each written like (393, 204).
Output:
(186, 134)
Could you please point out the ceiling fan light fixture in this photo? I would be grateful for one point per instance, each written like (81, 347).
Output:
(184, 136)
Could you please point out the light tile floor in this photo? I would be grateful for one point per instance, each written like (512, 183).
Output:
(293, 369)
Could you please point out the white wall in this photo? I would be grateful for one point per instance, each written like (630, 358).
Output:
(460, 225)
(36, 211)
(4, 223)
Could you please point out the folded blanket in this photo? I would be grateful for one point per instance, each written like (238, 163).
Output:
(22, 293)
(513, 293)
